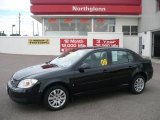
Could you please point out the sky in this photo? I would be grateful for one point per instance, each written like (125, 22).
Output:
(9, 11)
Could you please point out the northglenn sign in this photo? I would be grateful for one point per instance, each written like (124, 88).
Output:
(88, 9)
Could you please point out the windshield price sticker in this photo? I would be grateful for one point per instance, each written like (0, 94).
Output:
(104, 62)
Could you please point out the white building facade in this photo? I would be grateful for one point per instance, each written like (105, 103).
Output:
(132, 24)
(100, 22)
(149, 28)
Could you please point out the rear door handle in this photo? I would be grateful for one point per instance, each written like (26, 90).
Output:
(130, 66)
(105, 71)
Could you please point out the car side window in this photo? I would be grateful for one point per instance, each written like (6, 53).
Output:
(119, 57)
(130, 57)
(97, 59)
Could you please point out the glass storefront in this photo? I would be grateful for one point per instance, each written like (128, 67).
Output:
(78, 26)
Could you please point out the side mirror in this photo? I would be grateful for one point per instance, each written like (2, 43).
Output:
(83, 67)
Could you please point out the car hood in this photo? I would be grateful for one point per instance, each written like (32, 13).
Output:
(33, 70)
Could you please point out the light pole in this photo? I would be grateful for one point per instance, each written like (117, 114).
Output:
(12, 28)
(19, 24)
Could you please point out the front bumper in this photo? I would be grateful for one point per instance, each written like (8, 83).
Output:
(20, 95)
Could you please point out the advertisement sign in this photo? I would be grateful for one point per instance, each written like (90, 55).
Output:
(68, 44)
(106, 43)
(38, 41)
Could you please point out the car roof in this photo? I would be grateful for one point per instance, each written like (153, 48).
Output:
(100, 48)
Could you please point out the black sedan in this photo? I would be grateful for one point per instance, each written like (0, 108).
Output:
(78, 71)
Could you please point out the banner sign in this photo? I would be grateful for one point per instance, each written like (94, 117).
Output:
(106, 43)
(68, 44)
(38, 41)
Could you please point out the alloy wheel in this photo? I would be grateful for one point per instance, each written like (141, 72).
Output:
(139, 84)
(57, 98)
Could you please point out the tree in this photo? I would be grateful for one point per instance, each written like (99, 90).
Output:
(2, 33)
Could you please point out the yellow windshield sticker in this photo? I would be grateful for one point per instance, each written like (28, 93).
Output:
(104, 62)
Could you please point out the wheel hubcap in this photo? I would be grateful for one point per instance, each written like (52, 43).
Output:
(57, 98)
(139, 85)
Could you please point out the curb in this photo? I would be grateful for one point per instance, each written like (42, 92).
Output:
(156, 61)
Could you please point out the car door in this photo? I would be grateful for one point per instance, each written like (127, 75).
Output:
(94, 77)
(122, 66)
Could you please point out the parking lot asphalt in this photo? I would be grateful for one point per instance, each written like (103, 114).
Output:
(113, 105)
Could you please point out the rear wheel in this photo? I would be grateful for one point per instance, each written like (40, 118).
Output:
(56, 97)
(137, 86)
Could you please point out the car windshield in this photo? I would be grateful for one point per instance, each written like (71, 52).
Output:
(70, 58)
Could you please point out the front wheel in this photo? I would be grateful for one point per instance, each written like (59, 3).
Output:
(138, 84)
(56, 98)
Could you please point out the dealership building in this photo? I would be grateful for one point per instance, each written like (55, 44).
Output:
(67, 24)
(100, 22)
(149, 28)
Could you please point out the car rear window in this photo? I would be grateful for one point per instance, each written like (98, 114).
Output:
(119, 57)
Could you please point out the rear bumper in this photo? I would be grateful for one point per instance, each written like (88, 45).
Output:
(149, 75)
(20, 95)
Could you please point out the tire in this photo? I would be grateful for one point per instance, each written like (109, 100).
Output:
(137, 85)
(56, 98)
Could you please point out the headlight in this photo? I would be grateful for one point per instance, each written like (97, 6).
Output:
(27, 83)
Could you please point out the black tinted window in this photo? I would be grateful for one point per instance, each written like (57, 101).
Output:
(130, 57)
(126, 30)
(119, 57)
(97, 59)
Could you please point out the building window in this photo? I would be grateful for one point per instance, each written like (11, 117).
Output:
(67, 24)
(83, 26)
(77, 26)
(130, 30)
(104, 25)
(126, 30)
(52, 24)
(134, 30)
